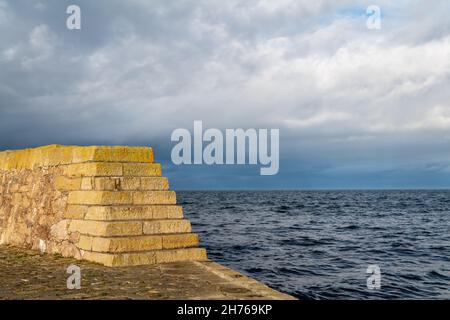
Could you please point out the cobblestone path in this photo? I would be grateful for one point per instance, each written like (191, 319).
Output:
(26, 274)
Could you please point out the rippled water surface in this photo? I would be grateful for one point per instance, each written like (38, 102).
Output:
(318, 244)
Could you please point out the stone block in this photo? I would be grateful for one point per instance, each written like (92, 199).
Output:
(154, 183)
(93, 169)
(113, 154)
(87, 183)
(106, 229)
(100, 197)
(142, 169)
(189, 254)
(106, 184)
(117, 260)
(75, 212)
(121, 244)
(66, 184)
(54, 155)
(134, 212)
(85, 242)
(59, 230)
(180, 241)
(101, 258)
(167, 226)
(132, 183)
(154, 197)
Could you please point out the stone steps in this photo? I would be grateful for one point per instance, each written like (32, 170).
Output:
(121, 197)
(124, 212)
(112, 169)
(113, 183)
(138, 243)
(129, 227)
(105, 204)
(149, 257)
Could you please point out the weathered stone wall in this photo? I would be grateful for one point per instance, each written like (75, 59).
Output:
(32, 211)
(105, 204)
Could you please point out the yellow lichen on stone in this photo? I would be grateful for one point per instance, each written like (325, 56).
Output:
(75, 212)
(93, 169)
(134, 212)
(64, 183)
(102, 258)
(157, 256)
(167, 226)
(106, 229)
(142, 169)
(154, 183)
(123, 154)
(100, 197)
(189, 254)
(120, 244)
(53, 155)
(87, 183)
(117, 260)
(180, 241)
(154, 197)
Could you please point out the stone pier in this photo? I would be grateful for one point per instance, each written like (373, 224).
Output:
(111, 206)
(103, 204)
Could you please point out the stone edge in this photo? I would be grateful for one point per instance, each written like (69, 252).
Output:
(54, 155)
(243, 281)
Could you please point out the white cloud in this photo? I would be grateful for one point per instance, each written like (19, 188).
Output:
(307, 67)
(40, 47)
(9, 54)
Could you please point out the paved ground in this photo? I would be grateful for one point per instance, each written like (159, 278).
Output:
(27, 274)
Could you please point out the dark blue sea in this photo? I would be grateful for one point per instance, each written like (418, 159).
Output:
(318, 244)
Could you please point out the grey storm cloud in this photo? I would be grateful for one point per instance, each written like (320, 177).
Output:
(347, 100)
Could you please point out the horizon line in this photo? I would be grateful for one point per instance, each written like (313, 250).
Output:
(324, 189)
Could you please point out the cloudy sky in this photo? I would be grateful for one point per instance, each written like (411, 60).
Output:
(356, 108)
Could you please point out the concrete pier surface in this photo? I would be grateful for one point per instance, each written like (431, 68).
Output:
(27, 274)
